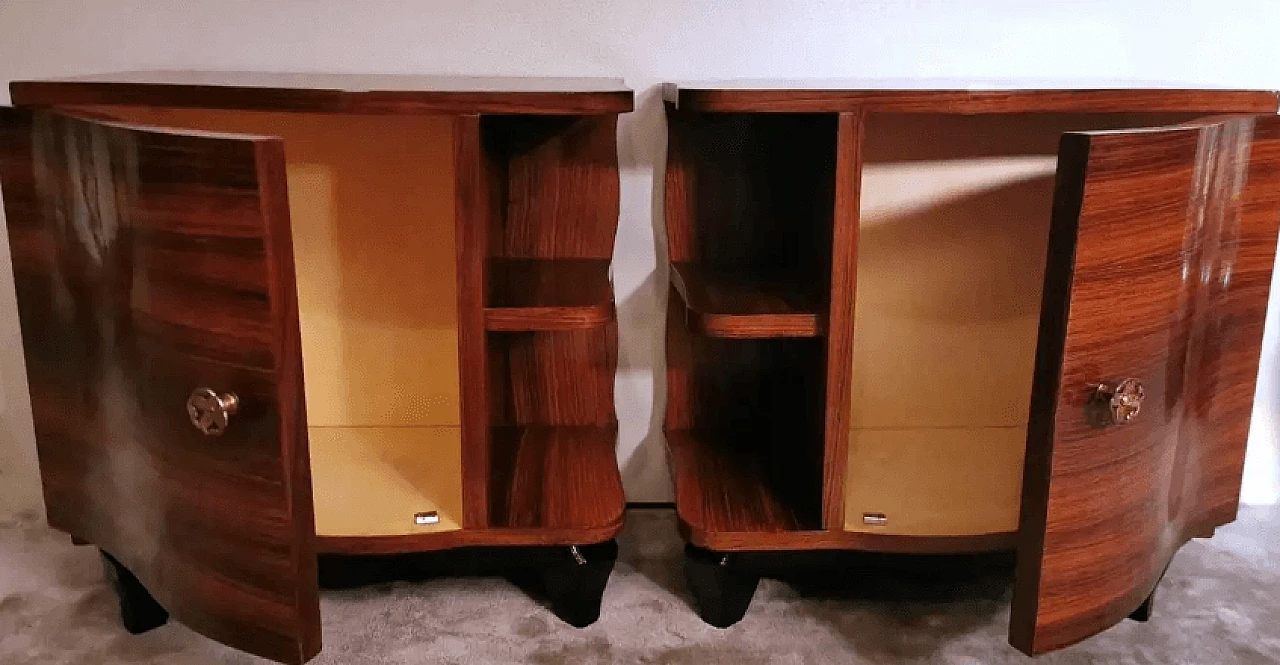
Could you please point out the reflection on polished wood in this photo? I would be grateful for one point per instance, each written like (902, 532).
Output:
(960, 97)
(332, 93)
(148, 263)
(1185, 219)
(1160, 248)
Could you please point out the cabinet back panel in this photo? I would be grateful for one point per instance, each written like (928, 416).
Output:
(372, 210)
(953, 230)
(753, 194)
(557, 179)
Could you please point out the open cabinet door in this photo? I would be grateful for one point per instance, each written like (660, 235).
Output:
(155, 280)
(1159, 266)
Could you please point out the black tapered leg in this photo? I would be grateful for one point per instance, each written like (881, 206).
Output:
(139, 612)
(1143, 613)
(575, 584)
(721, 591)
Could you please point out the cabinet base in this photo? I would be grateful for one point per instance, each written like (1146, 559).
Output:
(569, 579)
(139, 612)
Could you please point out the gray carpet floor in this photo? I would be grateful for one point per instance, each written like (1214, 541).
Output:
(1218, 605)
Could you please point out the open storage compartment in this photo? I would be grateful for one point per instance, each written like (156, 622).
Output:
(749, 223)
(385, 293)
(1042, 332)
(953, 232)
(550, 327)
(271, 318)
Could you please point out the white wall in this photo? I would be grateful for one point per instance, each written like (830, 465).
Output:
(1221, 43)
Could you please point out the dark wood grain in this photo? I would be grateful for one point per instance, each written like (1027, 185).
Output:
(750, 201)
(745, 305)
(331, 93)
(559, 478)
(753, 194)
(557, 179)
(552, 344)
(1159, 268)
(785, 97)
(755, 405)
(844, 276)
(548, 294)
(476, 200)
(536, 211)
(149, 263)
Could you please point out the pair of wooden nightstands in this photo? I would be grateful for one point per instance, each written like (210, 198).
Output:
(268, 317)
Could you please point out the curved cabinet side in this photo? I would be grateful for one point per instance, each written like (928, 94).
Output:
(1159, 268)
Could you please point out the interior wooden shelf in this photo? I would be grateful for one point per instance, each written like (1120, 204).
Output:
(555, 477)
(719, 491)
(746, 305)
(548, 294)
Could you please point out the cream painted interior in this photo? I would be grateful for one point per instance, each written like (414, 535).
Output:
(371, 204)
(954, 227)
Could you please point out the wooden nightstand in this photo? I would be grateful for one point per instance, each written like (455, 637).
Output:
(947, 320)
(267, 317)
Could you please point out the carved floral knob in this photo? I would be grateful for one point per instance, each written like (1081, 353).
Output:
(1123, 400)
(211, 412)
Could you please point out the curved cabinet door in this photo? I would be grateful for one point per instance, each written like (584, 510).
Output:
(148, 264)
(1159, 267)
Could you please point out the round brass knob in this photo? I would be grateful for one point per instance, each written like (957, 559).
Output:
(1122, 399)
(211, 412)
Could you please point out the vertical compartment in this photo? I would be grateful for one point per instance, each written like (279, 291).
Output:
(750, 204)
(550, 328)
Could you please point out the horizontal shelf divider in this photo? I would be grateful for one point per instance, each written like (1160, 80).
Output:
(739, 305)
(548, 294)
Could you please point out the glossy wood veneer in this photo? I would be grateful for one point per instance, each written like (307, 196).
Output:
(548, 294)
(766, 96)
(331, 93)
(120, 321)
(743, 305)
(1160, 259)
(1169, 253)
(189, 234)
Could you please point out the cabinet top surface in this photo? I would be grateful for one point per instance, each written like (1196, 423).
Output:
(350, 93)
(963, 96)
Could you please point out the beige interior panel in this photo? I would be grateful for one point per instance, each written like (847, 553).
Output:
(950, 267)
(371, 481)
(953, 233)
(371, 206)
(941, 482)
(951, 251)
